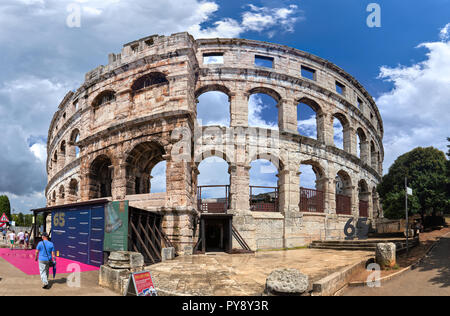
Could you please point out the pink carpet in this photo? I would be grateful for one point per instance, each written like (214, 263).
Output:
(24, 261)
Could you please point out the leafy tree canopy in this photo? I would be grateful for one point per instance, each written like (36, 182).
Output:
(427, 174)
(5, 206)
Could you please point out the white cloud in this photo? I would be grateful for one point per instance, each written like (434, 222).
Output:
(308, 127)
(256, 107)
(261, 18)
(416, 111)
(43, 58)
(39, 151)
(444, 34)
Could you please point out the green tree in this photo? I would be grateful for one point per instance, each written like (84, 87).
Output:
(426, 171)
(5, 206)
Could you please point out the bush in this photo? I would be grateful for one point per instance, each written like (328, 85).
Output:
(433, 221)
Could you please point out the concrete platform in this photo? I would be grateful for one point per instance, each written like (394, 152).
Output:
(245, 274)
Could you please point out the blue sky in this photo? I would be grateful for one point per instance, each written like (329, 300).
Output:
(404, 64)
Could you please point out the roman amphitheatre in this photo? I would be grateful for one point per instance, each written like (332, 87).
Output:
(140, 110)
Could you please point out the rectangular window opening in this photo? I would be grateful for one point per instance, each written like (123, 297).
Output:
(360, 102)
(213, 58)
(308, 73)
(264, 61)
(340, 88)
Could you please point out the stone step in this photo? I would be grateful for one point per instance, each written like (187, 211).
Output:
(344, 248)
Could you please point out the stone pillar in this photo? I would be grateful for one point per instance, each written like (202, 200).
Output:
(326, 186)
(325, 131)
(332, 195)
(289, 194)
(239, 109)
(239, 187)
(351, 191)
(119, 181)
(365, 151)
(70, 152)
(349, 140)
(287, 116)
(374, 160)
(178, 184)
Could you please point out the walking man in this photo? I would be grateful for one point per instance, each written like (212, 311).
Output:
(45, 252)
(21, 238)
(12, 239)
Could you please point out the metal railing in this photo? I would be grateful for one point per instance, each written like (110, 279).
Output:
(213, 205)
(264, 202)
(343, 204)
(311, 200)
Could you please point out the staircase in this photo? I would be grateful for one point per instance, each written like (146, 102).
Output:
(362, 245)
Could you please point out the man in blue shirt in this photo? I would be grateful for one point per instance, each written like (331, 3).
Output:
(45, 252)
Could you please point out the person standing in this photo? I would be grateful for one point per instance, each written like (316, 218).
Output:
(21, 239)
(27, 240)
(12, 239)
(45, 252)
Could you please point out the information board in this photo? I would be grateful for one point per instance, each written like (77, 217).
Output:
(116, 226)
(140, 284)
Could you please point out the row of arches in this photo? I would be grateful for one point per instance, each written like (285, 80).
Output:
(65, 195)
(66, 152)
(145, 170)
(214, 107)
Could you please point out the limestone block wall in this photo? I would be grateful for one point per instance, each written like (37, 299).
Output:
(141, 109)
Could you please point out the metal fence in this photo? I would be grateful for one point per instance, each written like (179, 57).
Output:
(264, 202)
(311, 200)
(343, 204)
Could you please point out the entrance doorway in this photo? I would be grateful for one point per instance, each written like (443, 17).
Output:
(215, 233)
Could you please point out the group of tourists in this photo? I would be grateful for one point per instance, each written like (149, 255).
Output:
(22, 239)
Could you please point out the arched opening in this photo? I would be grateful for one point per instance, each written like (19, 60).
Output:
(361, 147)
(373, 156)
(158, 178)
(264, 188)
(263, 108)
(61, 195)
(343, 193)
(312, 188)
(73, 190)
(141, 162)
(55, 162)
(74, 149)
(213, 108)
(103, 98)
(53, 200)
(363, 196)
(148, 80)
(213, 185)
(100, 177)
(307, 118)
(62, 155)
(340, 131)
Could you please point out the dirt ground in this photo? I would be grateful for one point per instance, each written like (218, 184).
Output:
(404, 260)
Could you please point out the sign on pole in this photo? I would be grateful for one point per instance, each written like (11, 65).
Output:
(140, 284)
(4, 219)
(406, 210)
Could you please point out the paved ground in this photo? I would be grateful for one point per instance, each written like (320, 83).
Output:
(244, 274)
(430, 278)
(14, 282)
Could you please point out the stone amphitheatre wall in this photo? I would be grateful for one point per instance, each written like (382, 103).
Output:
(141, 108)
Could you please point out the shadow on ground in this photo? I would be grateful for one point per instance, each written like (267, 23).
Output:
(439, 260)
